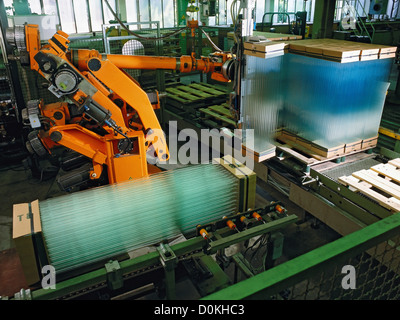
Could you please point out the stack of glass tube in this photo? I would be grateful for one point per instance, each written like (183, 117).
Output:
(262, 99)
(93, 225)
(325, 102)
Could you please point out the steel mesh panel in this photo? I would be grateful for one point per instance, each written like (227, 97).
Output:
(119, 41)
(348, 169)
(95, 43)
(377, 278)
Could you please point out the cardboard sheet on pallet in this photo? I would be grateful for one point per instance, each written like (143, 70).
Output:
(265, 49)
(341, 50)
(259, 155)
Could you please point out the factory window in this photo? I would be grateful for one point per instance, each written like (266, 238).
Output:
(82, 16)
(75, 16)
(131, 13)
(96, 14)
(67, 17)
(156, 11)
(144, 12)
(22, 8)
(231, 8)
(81, 13)
(169, 13)
(287, 9)
(35, 6)
(260, 10)
(50, 7)
(343, 7)
(108, 16)
(9, 7)
(222, 13)
(365, 8)
(393, 9)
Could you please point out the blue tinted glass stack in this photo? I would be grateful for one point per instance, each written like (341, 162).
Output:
(325, 102)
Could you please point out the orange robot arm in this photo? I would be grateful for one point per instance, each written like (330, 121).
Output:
(219, 64)
(102, 93)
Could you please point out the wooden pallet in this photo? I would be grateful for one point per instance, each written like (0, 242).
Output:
(380, 183)
(221, 114)
(194, 93)
(310, 153)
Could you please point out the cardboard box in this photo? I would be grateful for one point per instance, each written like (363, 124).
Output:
(27, 236)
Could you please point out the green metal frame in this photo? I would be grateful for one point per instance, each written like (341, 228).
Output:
(357, 205)
(249, 233)
(98, 278)
(270, 282)
(113, 274)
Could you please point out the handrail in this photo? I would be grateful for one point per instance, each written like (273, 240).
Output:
(272, 16)
(361, 22)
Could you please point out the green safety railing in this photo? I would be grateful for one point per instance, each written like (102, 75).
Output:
(373, 252)
(362, 24)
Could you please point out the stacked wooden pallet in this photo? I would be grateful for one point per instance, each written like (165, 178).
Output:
(195, 93)
(317, 153)
(221, 114)
(341, 50)
(381, 183)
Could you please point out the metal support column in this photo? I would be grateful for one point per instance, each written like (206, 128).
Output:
(323, 19)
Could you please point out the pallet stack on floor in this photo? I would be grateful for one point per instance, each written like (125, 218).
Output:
(221, 114)
(203, 103)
